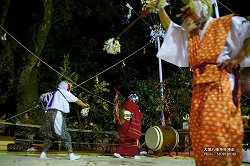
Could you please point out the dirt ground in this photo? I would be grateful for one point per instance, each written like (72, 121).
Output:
(90, 159)
(22, 159)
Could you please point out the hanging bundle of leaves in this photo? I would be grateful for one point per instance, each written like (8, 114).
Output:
(112, 46)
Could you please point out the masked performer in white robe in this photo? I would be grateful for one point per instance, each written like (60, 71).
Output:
(54, 123)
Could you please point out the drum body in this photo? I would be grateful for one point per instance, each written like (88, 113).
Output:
(163, 139)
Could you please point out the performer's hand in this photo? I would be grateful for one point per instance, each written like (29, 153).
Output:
(86, 105)
(235, 61)
(145, 12)
(153, 6)
(155, 3)
(229, 64)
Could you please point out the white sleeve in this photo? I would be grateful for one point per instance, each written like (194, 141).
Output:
(69, 96)
(174, 46)
(239, 31)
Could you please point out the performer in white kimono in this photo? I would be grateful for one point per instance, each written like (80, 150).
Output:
(212, 49)
(54, 123)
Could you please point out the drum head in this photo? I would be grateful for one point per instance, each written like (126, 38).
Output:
(154, 138)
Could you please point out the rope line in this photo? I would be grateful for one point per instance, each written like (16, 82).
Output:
(142, 19)
(76, 85)
(124, 58)
(225, 7)
(21, 113)
(41, 59)
(59, 142)
(246, 96)
(51, 67)
(138, 16)
(115, 64)
(69, 129)
(34, 54)
(79, 85)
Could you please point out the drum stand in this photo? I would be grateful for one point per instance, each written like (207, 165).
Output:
(160, 153)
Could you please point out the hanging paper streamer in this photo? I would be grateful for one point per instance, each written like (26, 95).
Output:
(153, 5)
(3, 37)
(157, 31)
(39, 63)
(185, 124)
(96, 80)
(112, 46)
(186, 118)
(128, 15)
(123, 64)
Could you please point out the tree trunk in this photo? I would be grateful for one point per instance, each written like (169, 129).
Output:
(29, 23)
(6, 65)
(26, 82)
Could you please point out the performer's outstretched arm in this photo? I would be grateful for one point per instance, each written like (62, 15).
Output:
(165, 19)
